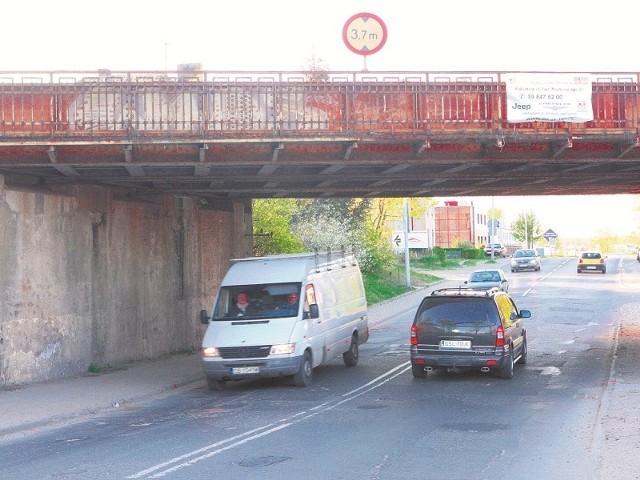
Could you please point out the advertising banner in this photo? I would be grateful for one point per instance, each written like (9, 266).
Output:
(548, 97)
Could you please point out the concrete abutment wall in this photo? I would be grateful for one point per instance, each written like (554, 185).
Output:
(90, 277)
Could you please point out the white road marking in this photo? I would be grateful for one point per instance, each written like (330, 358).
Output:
(195, 456)
(544, 278)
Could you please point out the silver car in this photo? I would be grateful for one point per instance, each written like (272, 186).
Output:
(525, 259)
(485, 279)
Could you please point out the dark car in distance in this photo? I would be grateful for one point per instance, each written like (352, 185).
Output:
(498, 250)
(462, 328)
(486, 279)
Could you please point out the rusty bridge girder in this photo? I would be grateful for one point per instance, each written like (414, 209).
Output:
(223, 136)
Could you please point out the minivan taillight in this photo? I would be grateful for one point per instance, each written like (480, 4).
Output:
(500, 336)
(414, 335)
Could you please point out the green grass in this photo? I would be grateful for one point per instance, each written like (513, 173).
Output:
(381, 286)
(384, 285)
(93, 368)
(434, 263)
(378, 288)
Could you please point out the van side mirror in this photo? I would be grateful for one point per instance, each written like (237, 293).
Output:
(314, 311)
(204, 317)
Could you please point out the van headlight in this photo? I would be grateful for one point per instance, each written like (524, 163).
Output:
(282, 349)
(210, 352)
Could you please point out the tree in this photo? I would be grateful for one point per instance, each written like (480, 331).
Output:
(295, 225)
(316, 69)
(526, 228)
(332, 225)
(495, 214)
(604, 241)
(384, 210)
(272, 231)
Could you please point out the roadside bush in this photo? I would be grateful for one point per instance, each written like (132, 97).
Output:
(473, 253)
(439, 253)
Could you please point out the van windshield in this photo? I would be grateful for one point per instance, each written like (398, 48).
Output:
(272, 300)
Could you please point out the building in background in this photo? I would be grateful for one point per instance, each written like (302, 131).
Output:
(450, 224)
(458, 224)
(421, 235)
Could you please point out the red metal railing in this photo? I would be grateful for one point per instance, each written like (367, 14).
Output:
(103, 106)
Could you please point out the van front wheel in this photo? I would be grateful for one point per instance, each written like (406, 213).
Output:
(304, 377)
(350, 357)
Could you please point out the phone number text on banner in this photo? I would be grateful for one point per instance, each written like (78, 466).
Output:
(548, 97)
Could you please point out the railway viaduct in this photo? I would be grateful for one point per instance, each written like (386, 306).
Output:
(124, 195)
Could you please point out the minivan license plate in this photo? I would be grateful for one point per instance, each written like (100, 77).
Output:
(455, 344)
(245, 370)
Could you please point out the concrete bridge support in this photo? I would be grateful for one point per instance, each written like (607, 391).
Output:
(90, 276)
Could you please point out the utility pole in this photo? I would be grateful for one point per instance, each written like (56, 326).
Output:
(407, 268)
(492, 230)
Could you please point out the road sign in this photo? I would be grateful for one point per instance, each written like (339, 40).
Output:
(364, 33)
(493, 226)
(549, 234)
(415, 239)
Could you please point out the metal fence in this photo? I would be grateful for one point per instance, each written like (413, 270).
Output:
(208, 105)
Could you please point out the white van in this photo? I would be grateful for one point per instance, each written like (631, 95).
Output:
(284, 315)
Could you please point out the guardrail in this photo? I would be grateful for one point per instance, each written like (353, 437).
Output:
(106, 105)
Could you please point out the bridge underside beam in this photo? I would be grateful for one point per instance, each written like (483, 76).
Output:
(309, 167)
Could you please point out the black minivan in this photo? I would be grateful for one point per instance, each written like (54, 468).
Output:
(463, 328)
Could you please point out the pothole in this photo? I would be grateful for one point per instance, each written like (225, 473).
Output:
(263, 461)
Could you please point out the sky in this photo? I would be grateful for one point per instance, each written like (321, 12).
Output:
(503, 35)
(261, 35)
(571, 217)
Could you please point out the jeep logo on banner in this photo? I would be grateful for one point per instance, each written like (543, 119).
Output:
(548, 97)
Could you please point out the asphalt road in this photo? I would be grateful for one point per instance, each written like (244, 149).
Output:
(375, 421)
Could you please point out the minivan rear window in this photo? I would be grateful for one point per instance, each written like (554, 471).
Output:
(451, 313)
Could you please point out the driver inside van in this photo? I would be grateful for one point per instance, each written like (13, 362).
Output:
(242, 306)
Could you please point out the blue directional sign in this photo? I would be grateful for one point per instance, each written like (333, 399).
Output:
(493, 226)
(549, 234)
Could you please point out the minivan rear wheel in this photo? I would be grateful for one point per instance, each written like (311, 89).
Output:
(506, 371)
(523, 354)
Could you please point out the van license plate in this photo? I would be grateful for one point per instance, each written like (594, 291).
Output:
(591, 268)
(245, 370)
(455, 344)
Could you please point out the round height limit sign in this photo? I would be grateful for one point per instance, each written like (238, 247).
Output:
(364, 33)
